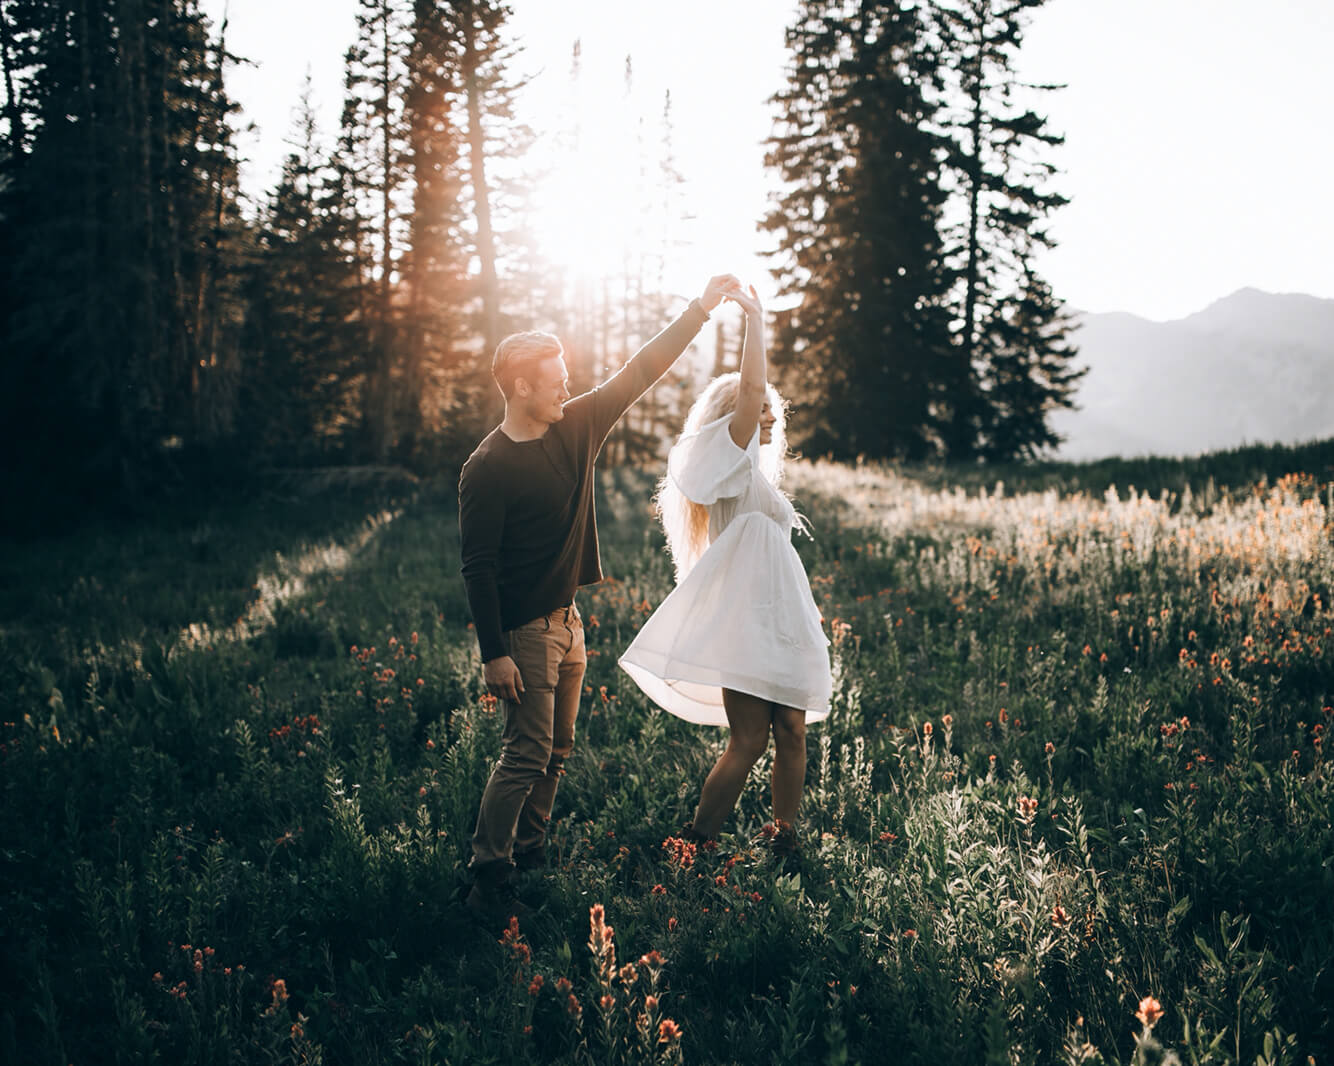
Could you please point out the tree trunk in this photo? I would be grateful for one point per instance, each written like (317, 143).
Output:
(486, 241)
(13, 111)
(383, 432)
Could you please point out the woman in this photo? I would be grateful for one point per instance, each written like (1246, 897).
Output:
(739, 640)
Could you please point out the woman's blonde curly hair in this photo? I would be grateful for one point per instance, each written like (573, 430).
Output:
(685, 522)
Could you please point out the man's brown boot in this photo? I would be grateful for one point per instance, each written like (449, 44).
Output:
(493, 898)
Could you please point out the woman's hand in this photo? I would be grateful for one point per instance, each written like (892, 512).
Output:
(748, 301)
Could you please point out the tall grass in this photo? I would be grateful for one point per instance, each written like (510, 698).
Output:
(1076, 758)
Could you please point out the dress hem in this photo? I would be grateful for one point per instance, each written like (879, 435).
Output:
(661, 686)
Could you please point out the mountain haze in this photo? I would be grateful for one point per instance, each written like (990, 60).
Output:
(1251, 368)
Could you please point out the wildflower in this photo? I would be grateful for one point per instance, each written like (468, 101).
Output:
(668, 1031)
(279, 990)
(535, 985)
(572, 1007)
(1150, 1010)
(680, 852)
(607, 1002)
(1028, 808)
(947, 720)
(430, 744)
(1049, 748)
(910, 934)
(887, 837)
(926, 730)
(297, 1032)
(672, 923)
(628, 975)
(1059, 917)
(658, 890)
(513, 940)
(650, 1003)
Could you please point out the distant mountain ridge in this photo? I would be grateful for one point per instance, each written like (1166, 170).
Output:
(1251, 368)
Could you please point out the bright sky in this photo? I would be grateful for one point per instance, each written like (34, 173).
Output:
(1193, 159)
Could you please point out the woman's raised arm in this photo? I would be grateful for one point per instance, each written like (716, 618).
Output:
(754, 372)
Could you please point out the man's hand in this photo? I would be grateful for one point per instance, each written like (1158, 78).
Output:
(717, 288)
(502, 678)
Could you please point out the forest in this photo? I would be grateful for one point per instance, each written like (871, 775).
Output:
(161, 325)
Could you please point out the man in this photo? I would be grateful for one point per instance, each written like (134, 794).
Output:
(529, 533)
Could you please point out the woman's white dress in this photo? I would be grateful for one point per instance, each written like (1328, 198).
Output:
(743, 617)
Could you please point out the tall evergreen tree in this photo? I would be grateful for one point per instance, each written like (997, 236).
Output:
(857, 228)
(16, 58)
(375, 159)
(118, 213)
(1011, 331)
(1030, 370)
(426, 95)
(305, 340)
(435, 327)
(493, 187)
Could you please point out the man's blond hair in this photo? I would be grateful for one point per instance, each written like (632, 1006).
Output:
(518, 354)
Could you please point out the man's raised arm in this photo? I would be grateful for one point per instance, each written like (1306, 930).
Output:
(614, 396)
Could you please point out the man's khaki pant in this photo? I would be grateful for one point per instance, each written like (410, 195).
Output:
(539, 734)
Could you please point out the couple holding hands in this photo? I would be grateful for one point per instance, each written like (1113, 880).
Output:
(738, 641)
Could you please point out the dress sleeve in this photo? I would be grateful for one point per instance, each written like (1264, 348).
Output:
(707, 466)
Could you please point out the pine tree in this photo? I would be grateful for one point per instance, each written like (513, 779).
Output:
(119, 210)
(374, 159)
(493, 186)
(1029, 371)
(857, 227)
(16, 57)
(1011, 328)
(435, 326)
(301, 389)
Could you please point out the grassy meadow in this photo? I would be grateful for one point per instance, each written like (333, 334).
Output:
(1077, 758)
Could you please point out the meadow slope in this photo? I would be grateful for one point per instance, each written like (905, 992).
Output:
(1077, 758)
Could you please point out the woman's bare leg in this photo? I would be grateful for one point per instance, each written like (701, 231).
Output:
(748, 719)
(789, 761)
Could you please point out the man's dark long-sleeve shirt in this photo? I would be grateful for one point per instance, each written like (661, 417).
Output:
(526, 508)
